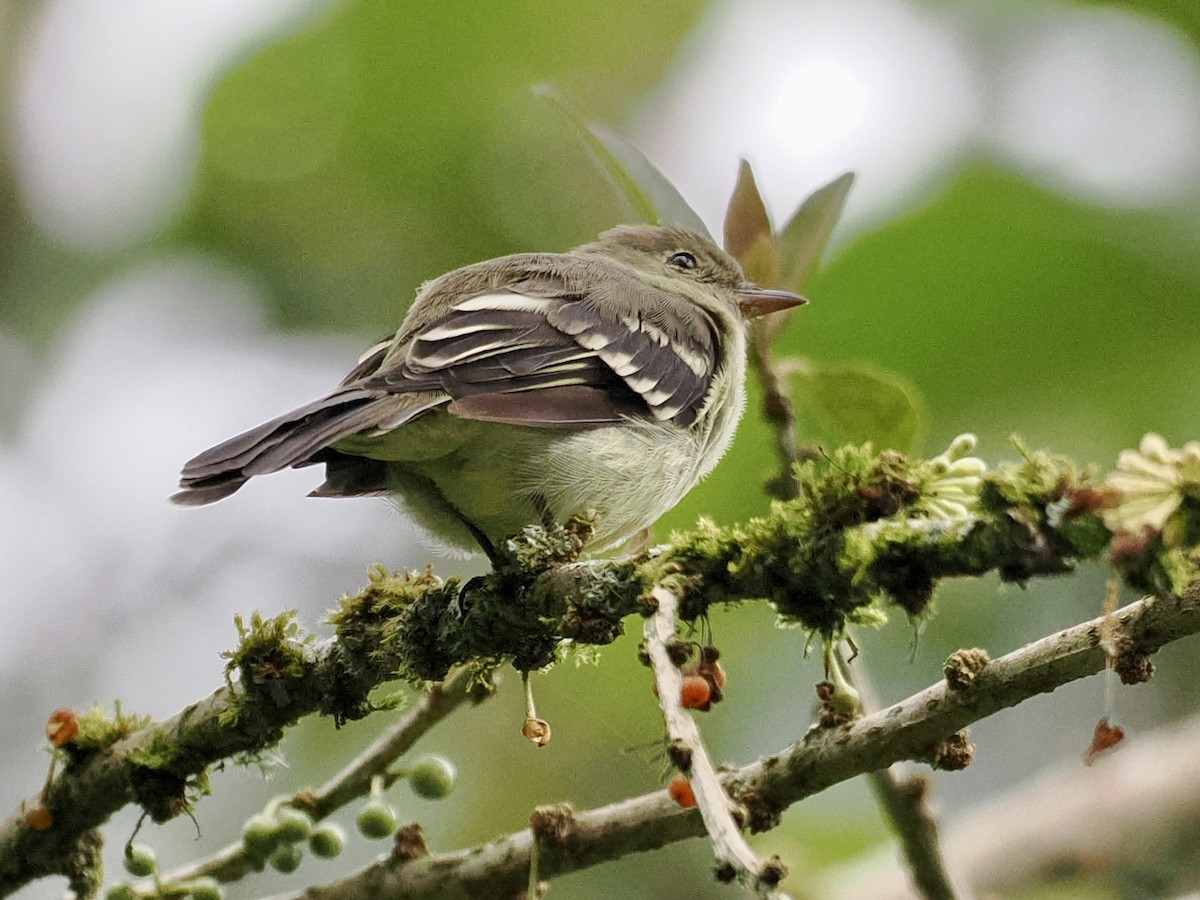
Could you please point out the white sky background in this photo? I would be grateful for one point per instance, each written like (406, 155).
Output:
(108, 99)
(1096, 102)
(170, 356)
(112, 591)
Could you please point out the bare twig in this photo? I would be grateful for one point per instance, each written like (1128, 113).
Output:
(778, 411)
(729, 847)
(354, 780)
(904, 802)
(911, 820)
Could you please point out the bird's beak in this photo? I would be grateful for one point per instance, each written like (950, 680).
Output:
(756, 301)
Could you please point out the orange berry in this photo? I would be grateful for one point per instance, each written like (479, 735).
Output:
(63, 726)
(39, 818)
(696, 692)
(681, 792)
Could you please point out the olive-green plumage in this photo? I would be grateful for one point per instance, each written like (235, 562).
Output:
(603, 382)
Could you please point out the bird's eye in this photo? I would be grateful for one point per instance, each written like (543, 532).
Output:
(682, 260)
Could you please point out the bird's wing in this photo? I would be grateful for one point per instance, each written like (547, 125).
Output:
(566, 347)
(548, 352)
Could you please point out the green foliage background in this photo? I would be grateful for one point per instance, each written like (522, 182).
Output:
(383, 143)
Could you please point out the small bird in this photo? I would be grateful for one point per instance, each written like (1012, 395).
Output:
(602, 383)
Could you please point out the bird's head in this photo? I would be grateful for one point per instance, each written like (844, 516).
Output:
(687, 263)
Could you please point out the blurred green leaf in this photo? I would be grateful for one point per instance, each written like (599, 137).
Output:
(381, 144)
(641, 208)
(1182, 14)
(804, 237)
(672, 208)
(859, 403)
(647, 193)
(1014, 308)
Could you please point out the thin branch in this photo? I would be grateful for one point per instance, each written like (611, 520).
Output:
(904, 802)
(687, 748)
(354, 780)
(778, 411)
(912, 729)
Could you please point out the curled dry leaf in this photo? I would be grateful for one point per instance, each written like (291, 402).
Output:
(1105, 737)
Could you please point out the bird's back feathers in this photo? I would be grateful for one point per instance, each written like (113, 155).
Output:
(558, 341)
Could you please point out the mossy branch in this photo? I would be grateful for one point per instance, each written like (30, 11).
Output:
(866, 530)
(283, 675)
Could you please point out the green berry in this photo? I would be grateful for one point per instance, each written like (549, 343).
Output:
(432, 777)
(260, 836)
(139, 860)
(120, 892)
(327, 841)
(293, 825)
(286, 858)
(376, 820)
(206, 889)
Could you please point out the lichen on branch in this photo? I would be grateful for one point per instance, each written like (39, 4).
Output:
(866, 531)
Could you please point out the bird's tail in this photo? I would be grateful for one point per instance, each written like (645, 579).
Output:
(293, 439)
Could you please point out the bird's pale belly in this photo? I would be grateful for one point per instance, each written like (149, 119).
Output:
(501, 478)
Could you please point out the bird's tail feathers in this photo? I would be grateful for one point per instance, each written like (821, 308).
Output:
(289, 440)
